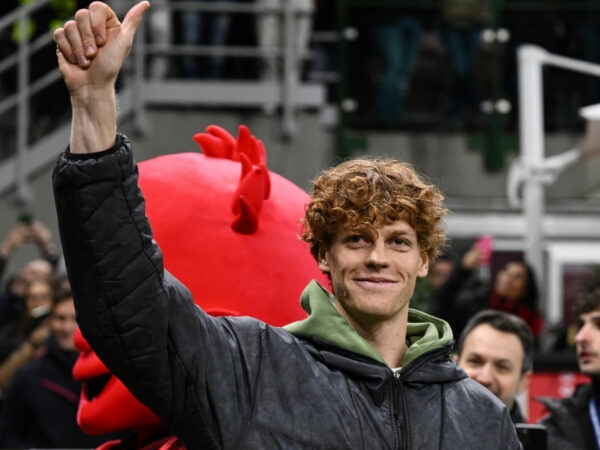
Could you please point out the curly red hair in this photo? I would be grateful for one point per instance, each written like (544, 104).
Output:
(364, 193)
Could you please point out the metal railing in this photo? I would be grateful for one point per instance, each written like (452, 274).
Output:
(25, 89)
(18, 164)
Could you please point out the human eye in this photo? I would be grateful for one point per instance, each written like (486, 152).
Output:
(399, 242)
(504, 367)
(355, 240)
(473, 362)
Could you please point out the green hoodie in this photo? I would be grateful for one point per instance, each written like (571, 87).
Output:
(423, 332)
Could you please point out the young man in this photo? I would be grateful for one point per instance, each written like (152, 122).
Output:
(360, 372)
(573, 422)
(496, 350)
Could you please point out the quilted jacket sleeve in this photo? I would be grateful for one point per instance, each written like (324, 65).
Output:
(140, 321)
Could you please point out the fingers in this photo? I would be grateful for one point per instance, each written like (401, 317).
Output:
(63, 46)
(76, 40)
(101, 17)
(79, 35)
(84, 37)
(133, 18)
(79, 39)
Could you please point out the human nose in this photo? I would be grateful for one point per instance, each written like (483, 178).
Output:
(71, 326)
(581, 335)
(484, 375)
(377, 253)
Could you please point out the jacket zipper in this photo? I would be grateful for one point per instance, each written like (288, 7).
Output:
(401, 422)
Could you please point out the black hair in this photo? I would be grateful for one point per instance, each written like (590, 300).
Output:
(507, 323)
(590, 301)
(532, 292)
(60, 294)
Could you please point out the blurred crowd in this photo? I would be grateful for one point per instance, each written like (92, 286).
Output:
(38, 395)
(461, 285)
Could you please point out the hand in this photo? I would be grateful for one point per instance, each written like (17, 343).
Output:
(473, 258)
(92, 48)
(18, 235)
(37, 338)
(40, 234)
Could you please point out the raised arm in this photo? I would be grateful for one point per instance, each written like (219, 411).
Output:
(91, 50)
(141, 322)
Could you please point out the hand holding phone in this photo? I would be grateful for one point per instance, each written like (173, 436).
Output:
(26, 219)
(485, 245)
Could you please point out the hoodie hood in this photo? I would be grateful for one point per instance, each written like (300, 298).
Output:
(423, 334)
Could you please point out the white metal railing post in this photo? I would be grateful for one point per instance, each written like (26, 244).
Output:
(23, 194)
(531, 131)
(288, 84)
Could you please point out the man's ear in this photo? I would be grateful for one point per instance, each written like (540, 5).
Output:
(524, 384)
(424, 267)
(323, 259)
(455, 357)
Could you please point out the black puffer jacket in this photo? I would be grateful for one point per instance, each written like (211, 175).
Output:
(569, 425)
(236, 383)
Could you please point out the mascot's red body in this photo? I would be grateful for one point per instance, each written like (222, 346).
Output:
(228, 229)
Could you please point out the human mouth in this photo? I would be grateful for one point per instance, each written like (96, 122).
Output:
(375, 282)
(586, 356)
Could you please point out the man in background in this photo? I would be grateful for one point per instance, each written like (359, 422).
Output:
(573, 422)
(496, 350)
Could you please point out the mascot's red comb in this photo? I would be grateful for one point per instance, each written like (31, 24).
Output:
(255, 184)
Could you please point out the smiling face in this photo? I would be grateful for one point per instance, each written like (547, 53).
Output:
(587, 342)
(494, 359)
(373, 271)
(63, 323)
(38, 297)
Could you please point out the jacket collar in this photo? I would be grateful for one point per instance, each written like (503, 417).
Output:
(424, 332)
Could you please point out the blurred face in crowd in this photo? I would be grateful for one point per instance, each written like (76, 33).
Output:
(63, 324)
(38, 298)
(38, 268)
(494, 359)
(33, 270)
(587, 342)
(439, 272)
(511, 281)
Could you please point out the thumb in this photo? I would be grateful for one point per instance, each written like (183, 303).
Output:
(133, 18)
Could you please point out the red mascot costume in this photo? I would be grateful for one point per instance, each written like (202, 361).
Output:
(228, 229)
